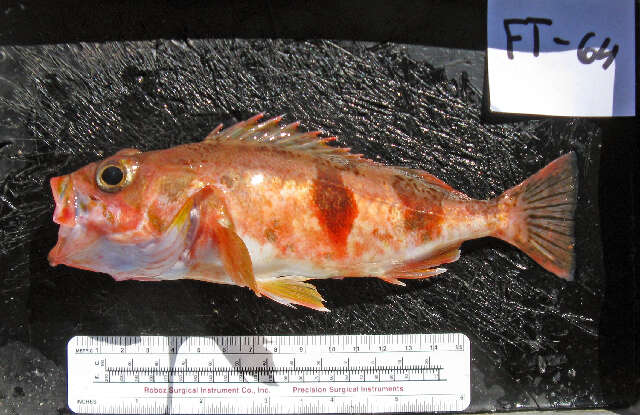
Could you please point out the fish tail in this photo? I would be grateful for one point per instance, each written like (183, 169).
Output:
(537, 216)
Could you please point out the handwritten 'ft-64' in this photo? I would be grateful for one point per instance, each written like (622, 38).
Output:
(586, 54)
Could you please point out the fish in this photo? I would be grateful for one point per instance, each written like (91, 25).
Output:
(268, 206)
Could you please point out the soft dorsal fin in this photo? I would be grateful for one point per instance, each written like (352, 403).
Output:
(288, 136)
(213, 133)
(427, 177)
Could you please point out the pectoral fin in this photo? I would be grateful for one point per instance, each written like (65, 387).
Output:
(217, 225)
(292, 290)
(235, 257)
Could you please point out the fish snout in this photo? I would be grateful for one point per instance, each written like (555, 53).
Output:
(64, 197)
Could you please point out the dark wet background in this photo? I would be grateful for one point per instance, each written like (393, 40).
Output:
(537, 341)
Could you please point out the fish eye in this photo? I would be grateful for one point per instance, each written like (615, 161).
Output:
(112, 177)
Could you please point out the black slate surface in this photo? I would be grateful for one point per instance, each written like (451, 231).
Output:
(538, 342)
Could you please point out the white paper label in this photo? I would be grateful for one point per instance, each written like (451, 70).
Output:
(561, 57)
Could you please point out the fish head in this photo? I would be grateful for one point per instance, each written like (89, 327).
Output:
(115, 215)
(96, 195)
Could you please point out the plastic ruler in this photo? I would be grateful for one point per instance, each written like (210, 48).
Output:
(269, 374)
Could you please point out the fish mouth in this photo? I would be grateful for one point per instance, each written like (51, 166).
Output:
(65, 200)
(64, 215)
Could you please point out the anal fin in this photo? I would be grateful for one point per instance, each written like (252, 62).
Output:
(392, 280)
(292, 291)
(416, 274)
(424, 268)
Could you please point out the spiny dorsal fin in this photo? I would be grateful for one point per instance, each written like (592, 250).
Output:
(288, 136)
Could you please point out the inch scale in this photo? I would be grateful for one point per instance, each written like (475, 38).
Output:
(269, 374)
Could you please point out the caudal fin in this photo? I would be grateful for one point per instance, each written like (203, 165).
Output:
(537, 216)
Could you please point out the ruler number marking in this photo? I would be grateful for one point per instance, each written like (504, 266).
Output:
(306, 365)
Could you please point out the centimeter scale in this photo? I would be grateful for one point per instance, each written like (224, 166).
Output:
(269, 374)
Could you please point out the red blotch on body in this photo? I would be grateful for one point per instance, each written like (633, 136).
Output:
(336, 208)
(423, 212)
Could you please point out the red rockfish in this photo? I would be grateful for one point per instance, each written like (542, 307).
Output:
(264, 206)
